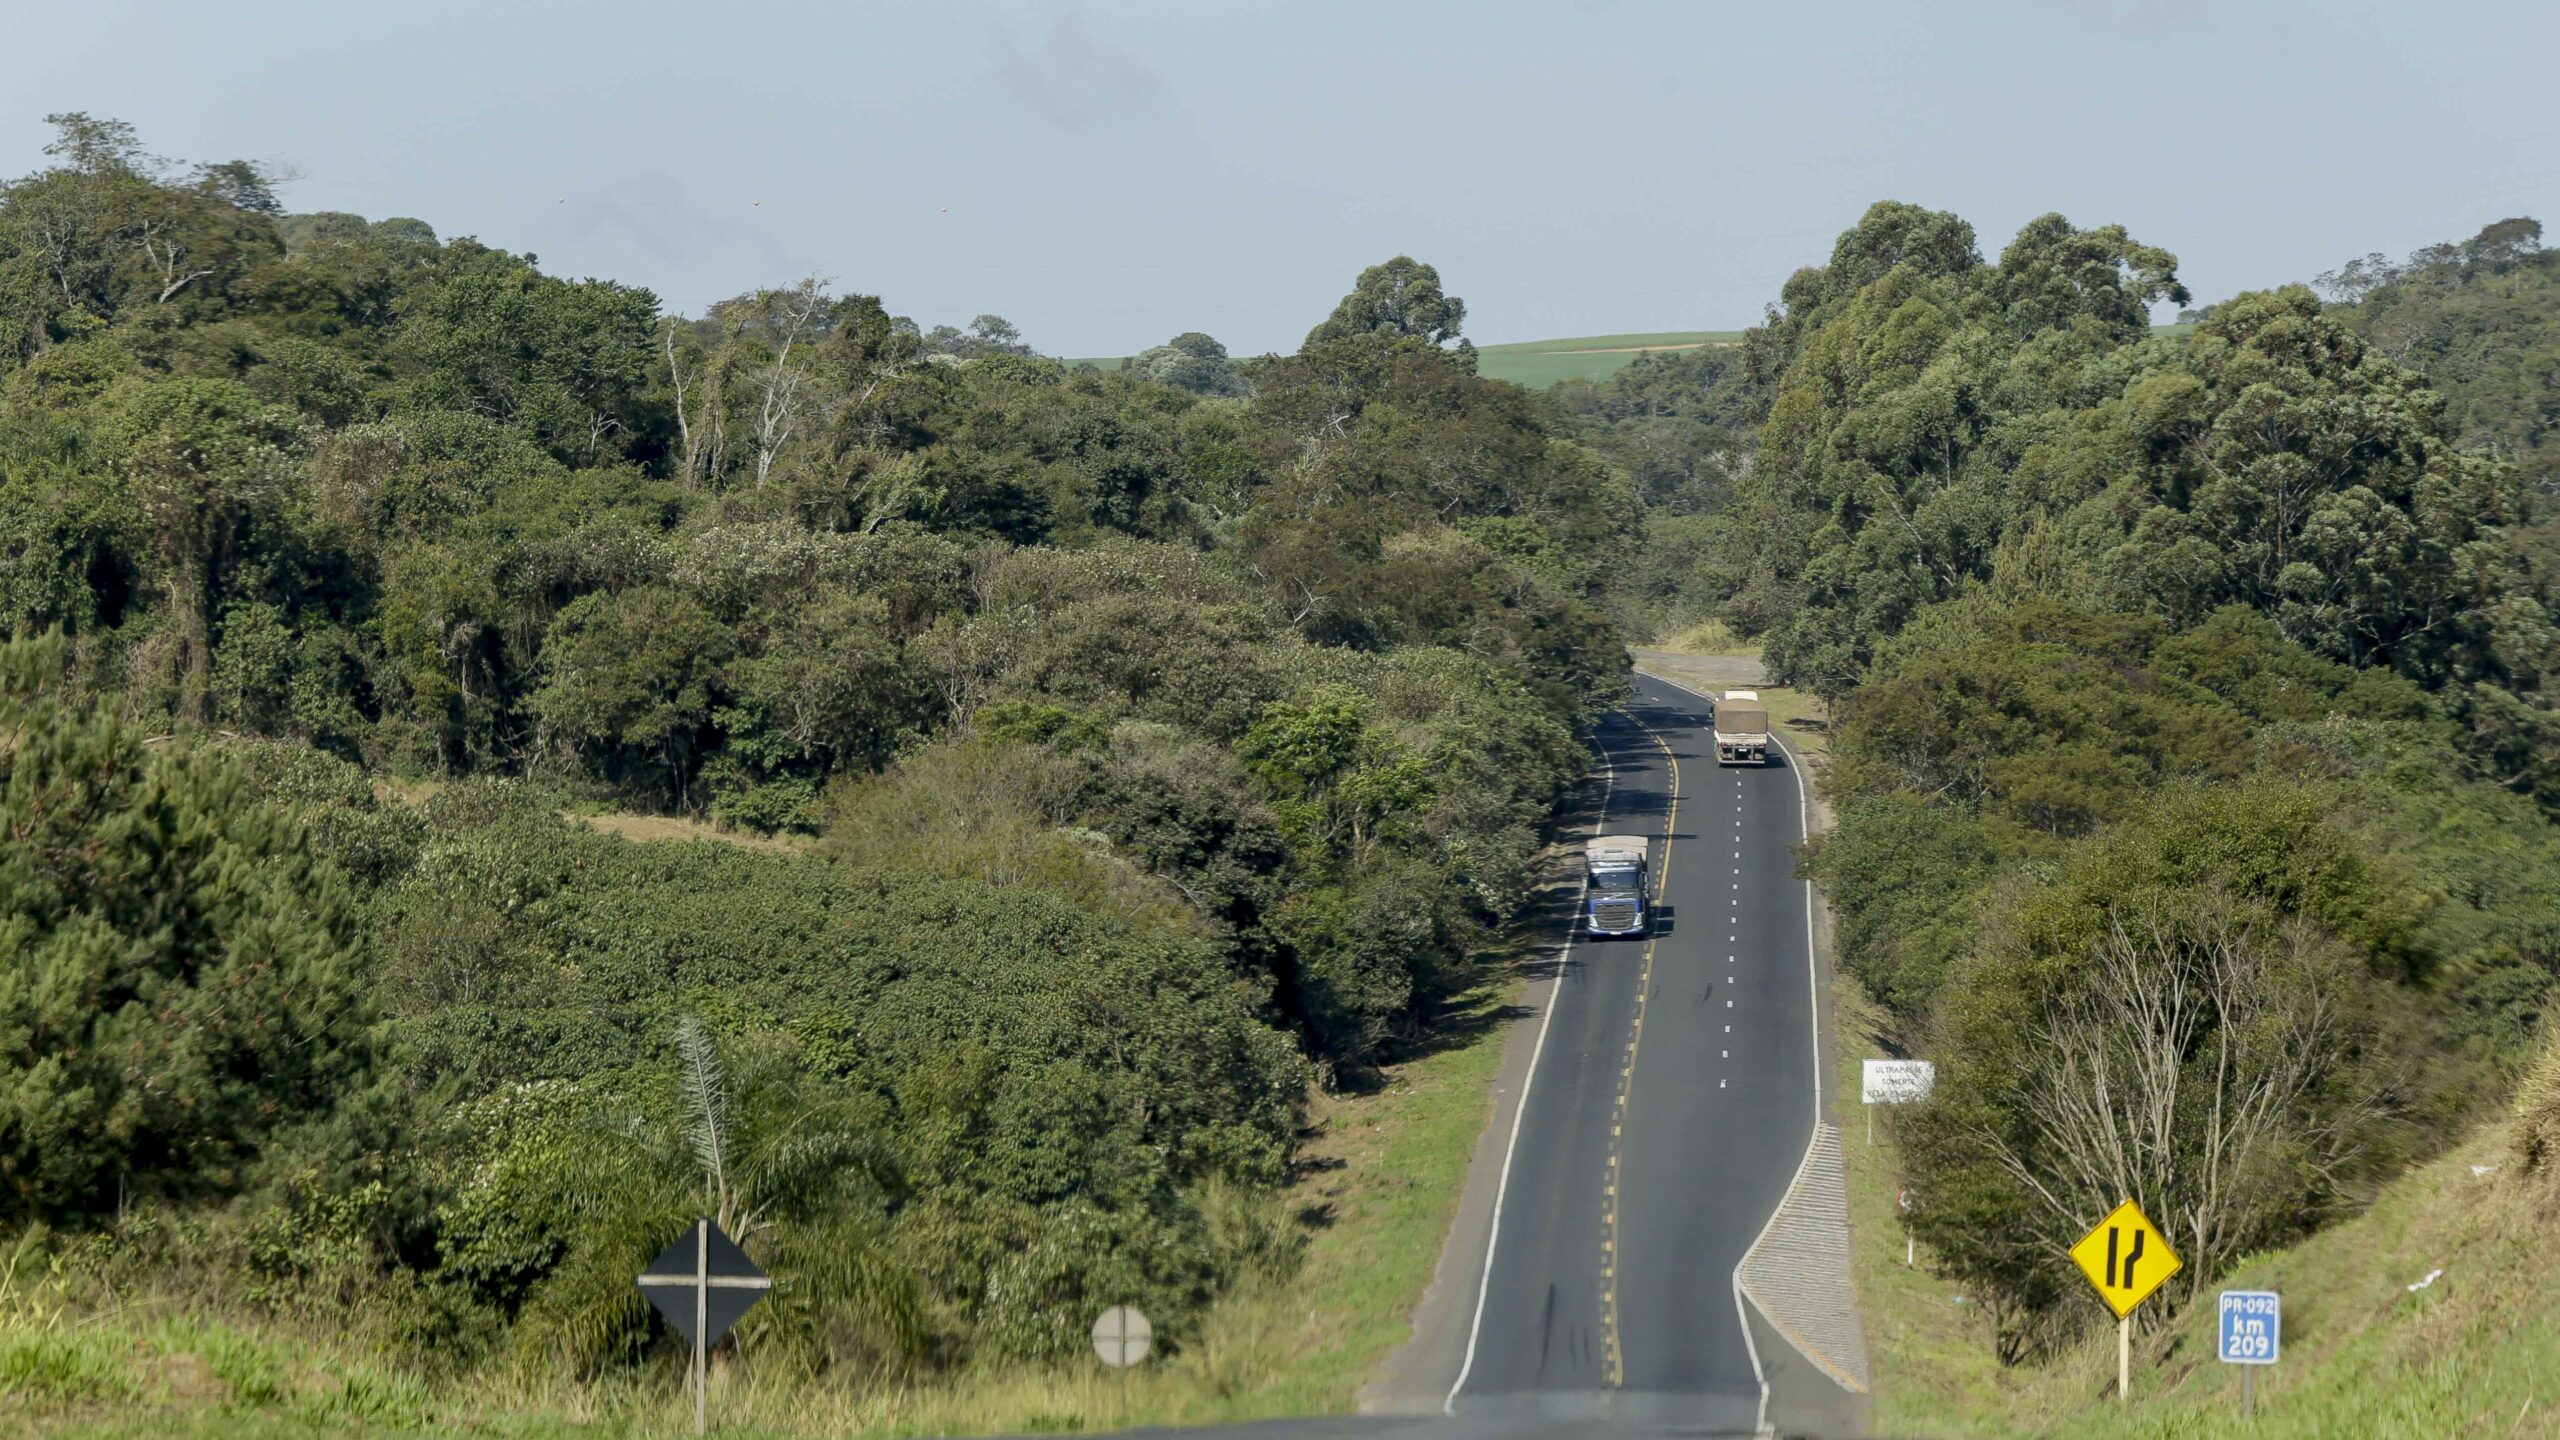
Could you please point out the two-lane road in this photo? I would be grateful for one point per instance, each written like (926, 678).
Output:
(1668, 1102)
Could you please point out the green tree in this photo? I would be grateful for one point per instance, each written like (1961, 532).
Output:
(2302, 475)
(988, 337)
(629, 682)
(185, 983)
(565, 362)
(2052, 275)
(2480, 318)
(825, 687)
(207, 464)
(1401, 297)
(1190, 361)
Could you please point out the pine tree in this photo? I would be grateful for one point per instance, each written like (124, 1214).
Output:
(177, 971)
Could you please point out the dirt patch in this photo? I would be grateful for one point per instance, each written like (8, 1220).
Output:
(413, 792)
(648, 829)
(185, 1379)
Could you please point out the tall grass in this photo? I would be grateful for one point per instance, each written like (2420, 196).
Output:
(1707, 637)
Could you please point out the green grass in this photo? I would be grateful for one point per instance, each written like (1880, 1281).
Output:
(1378, 1191)
(2476, 1353)
(49, 1363)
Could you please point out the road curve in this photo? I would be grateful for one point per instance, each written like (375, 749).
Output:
(1671, 1097)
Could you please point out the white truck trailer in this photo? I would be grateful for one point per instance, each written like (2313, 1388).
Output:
(1742, 729)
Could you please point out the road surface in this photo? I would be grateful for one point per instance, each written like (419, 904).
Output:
(1668, 1103)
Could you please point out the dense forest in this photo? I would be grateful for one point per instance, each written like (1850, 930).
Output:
(1129, 754)
(2195, 748)
(1155, 750)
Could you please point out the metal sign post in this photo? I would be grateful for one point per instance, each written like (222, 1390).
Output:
(1122, 1337)
(2249, 1333)
(2124, 1358)
(2126, 1259)
(703, 1284)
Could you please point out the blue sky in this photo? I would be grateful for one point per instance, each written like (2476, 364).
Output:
(1108, 174)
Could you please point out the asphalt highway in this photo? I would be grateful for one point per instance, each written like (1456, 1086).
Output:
(1667, 1107)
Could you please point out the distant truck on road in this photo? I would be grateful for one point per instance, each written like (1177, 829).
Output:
(1742, 729)
(1616, 868)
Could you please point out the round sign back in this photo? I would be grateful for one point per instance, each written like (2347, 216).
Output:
(1122, 1336)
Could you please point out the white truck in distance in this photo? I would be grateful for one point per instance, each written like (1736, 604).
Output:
(1615, 867)
(1742, 729)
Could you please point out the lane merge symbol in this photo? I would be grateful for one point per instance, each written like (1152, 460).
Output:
(2126, 1258)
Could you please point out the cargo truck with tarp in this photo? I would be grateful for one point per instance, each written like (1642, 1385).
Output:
(1742, 729)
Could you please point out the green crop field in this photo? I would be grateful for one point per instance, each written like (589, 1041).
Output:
(1538, 364)
(1650, 340)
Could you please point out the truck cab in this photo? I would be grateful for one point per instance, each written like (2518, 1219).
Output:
(1616, 891)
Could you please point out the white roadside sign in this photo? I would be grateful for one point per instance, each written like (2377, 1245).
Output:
(1895, 1082)
(1122, 1337)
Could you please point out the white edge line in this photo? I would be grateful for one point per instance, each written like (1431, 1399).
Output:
(1813, 978)
(1502, 1186)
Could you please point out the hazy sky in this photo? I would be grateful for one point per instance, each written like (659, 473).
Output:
(1109, 174)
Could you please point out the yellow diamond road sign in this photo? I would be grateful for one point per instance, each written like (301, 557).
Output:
(2127, 1258)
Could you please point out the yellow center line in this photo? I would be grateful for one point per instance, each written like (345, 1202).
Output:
(1609, 1345)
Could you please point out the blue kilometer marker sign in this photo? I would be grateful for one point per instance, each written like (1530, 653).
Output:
(2252, 1327)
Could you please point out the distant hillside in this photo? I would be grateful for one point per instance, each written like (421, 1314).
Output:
(2480, 318)
(1541, 363)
